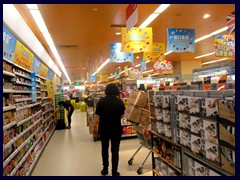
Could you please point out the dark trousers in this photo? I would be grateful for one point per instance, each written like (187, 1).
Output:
(115, 143)
(69, 117)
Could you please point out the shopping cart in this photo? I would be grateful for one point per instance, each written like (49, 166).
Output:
(143, 134)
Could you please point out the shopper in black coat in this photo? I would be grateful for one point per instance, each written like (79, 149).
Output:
(69, 107)
(108, 114)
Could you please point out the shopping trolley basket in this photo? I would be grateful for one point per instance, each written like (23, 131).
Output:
(143, 134)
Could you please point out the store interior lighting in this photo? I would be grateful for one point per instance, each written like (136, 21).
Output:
(204, 55)
(215, 61)
(33, 8)
(103, 64)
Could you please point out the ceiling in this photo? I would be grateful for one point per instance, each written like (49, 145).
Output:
(83, 32)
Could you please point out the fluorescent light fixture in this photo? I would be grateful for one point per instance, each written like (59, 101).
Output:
(154, 74)
(210, 62)
(119, 67)
(168, 53)
(137, 65)
(155, 14)
(103, 64)
(129, 68)
(32, 6)
(147, 61)
(48, 38)
(39, 20)
(118, 33)
(147, 71)
(99, 81)
(137, 57)
(204, 55)
(206, 16)
(85, 82)
(211, 34)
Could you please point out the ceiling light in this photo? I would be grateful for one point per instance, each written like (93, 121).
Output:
(129, 68)
(137, 57)
(168, 53)
(210, 62)
(95, 9)
(119, 67)
(155, 14)
(103, 64)
(85, 82)
(154, 74)
(39, 20)
(32, 6)
(48, 38)
(147, 61)
(206, 16)
(99, 81)
(118, 33)
(204, 55)
(137, 65)
(147, 71)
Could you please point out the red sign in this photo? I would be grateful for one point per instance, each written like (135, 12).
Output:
(131, 16)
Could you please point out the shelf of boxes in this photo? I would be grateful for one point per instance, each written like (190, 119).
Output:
(9, 73)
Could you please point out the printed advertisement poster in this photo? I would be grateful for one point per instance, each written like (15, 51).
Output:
(142, 65)
(92, 78)
(157, 54)
(9, 44)
(131, 16)
(181, 40)
(34, 88)
(163, 67)
(135, 74)
(224, 46)
(23, 57)
(43, 71)
(103, 77)
(36, 65)
(231, 22)
(137, 40)
(50, 74)
(125, 70)
(117, 56)
(49, 89)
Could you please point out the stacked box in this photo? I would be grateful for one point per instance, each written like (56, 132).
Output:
(139, 98)
(196, 124)
(211, 151)
(195, 168)
(183, 120)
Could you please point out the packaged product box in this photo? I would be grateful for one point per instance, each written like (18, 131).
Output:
(160, 127)
(210, 172)
(139, 99)
(210, 131)
(228, 159)
(183, 120)
(196, 124)
(209, 107)
(182, 103)
(166, 115)
(159, 113)
(133, 114)
(167, 130)
(144, 118)
(196, 145)
(164, 169)
(194, 105)
(172, 172)
(199, 169)
(184, 138)
(211, 151)
(157, 161)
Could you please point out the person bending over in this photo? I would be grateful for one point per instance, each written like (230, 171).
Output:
(69, 107)
(108, 114)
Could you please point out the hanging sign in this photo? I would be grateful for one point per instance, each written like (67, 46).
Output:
(181, 40)
(142, 65)
(117, 75)
(224, 46)
(23, 57)
(125, 70)
(50, 74)
(158, 52)
(92, 78)
(136, 40)
(163, 67)
(36, 65)
(49, 89)
(131, 16)
(43, 71)
(34, 88)
(9, 44)
(103, 77)
(117, 56)
(231, 22)
(135, 74)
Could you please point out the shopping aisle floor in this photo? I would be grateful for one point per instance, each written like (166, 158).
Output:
(72, 152)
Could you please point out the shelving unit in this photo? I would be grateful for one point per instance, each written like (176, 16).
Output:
(27, 125)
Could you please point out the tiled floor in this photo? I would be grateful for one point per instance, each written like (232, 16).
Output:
(72, 152)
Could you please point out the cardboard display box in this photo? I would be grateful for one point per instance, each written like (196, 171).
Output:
(133, 114)
(196, 145)
(139, 99)
(183, 120)
(228, 160)
(209, 107)
(210, 131)
(211, 151)
(196, 125)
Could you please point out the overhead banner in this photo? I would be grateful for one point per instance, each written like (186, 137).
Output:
(142, 65)
(34, 88)
(92, 78)
(43, 71)
(50, 74)
(9, 44)
(131, 16)
(181, 40)
(49, 89)
(231, 22)
(23, 57)
(136, 40)
(119, 57)
(135, 74)
(103, 77)
(36, 65)
(224, 46)
(157, 54)
(163, 67)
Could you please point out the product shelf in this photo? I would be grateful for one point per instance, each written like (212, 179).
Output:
(21, 83)
(44, 120)
(8, 91)
(28, 106)
(156, 172)
(27, 119)
(9, 125)
(21, 75)
(129, 135)
(23, 99)
(47, 111)
(8, 74)
(46, 103)
(8, 108)
(45, 97)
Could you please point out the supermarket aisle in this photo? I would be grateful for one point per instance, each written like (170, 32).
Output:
(73, 153)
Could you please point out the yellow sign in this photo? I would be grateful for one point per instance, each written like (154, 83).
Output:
(49, 88)
(158, 52)
(125, 70)
(136, 40)
(103, 77)
(43, 71)
(23, 57)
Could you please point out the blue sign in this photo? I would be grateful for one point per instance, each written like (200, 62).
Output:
(9, 44)
(143, 65)
(36, 65)
(181, 40)
(92, 78)
(34, 88)
(117, 56)
(50, 74)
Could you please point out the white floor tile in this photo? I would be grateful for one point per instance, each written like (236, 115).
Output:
(72, 152)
